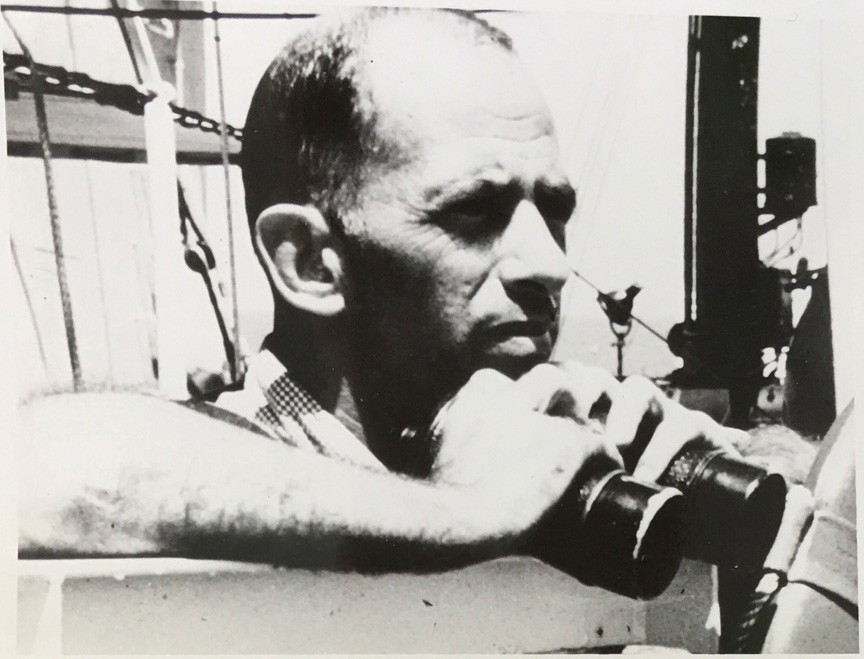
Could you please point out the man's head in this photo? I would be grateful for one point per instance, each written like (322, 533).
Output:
(403, 177)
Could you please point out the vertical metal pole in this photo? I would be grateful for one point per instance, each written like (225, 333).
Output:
(690, 310)
(168, 267)
(722, 218)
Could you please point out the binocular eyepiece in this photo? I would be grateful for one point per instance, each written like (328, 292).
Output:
(630, 536)
(735, 508)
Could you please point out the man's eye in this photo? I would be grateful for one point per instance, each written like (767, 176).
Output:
(477, 216)
(556, 203)
(556, 208)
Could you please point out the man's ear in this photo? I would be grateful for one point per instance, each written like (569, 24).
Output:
(297, 250)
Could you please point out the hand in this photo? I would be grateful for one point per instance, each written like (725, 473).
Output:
(513, 446)
(647, 427)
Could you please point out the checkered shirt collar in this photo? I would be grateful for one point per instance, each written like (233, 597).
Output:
(298, 419)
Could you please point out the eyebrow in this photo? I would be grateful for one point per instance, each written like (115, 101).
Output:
(471, 185)
(554, 197)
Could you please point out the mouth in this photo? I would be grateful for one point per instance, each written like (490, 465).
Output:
(532, 329)
(510, 345)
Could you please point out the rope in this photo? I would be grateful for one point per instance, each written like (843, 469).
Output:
(186, 218)
(226, 168)
(56, 234)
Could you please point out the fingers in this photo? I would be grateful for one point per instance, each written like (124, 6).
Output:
(669, 438)
(592, 388)
(548, 390)
(486, 386)
(636, 411)
(472, 400)
(650, 429)
(641, 423)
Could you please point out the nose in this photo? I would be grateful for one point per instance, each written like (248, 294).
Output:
(531, 256)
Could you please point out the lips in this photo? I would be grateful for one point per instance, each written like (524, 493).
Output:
(526, 328)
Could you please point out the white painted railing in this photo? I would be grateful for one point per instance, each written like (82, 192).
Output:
(178, 606)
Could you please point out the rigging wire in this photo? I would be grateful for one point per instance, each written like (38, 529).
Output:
(226, 168)
(632, 315)
(127, 41)
(94, 225)
(632, 78)
(40, 344)
(589, 167)
(700, 362)
(569, 148)
(591, 152)
(178, 14)
(53, 212)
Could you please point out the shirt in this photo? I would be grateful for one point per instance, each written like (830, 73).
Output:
(284, 409)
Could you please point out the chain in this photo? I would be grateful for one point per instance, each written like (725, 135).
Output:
(61, 82)
(193, 119)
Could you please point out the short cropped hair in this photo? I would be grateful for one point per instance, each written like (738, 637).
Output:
(310, 135)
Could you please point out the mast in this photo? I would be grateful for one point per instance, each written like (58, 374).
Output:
(721, 337)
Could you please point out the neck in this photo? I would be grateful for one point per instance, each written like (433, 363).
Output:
(345, 380)
(306, 348)
(388, 406)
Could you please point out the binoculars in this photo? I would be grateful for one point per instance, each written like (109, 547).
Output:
(630, 536)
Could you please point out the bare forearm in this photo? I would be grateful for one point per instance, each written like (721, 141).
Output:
(121, 474)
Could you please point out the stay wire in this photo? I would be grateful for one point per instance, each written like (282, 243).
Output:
(177, 14)
(28, 299)
(700, 362)
(226, 168)
(53, 212)
(632, 315)
(127, 41)
(94, 227)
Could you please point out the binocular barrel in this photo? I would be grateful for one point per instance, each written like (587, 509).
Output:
(735, 508)
(707, 505)
(631, 535)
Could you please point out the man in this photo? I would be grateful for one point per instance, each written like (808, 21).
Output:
(408, 205)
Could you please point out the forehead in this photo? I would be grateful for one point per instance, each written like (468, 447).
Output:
(456, 105)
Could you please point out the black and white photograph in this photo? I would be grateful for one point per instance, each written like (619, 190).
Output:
(491, 328)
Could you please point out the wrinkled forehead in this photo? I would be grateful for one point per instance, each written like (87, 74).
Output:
(430, 82)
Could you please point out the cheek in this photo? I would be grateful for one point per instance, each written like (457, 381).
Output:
(429, 282)
(459, 274)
